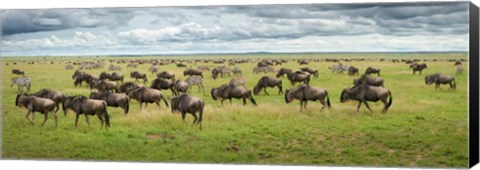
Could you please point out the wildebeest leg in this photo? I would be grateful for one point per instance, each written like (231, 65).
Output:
(368, 107)
(140, 104)
(196, 118)
(301, 105)
(244, 101)
(305, 104)
(265, 90)
(55, 117)
(384, 101)
(183, 116)
(45, 120)
(28, 113)
(86, 119)
(221, 101)
(76, 119)
(359, 104)
(437, 85)
(101, 120)
(323, 104)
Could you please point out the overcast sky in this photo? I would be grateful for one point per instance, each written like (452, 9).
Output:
(357, 27)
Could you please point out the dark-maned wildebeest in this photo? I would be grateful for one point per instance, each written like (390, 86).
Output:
(229, 91)
(180, 86)
(195, 81)
(18, 72)
(125, 87)
(36, 104)
(163, 84)
(166, 75)
(299, 76)
(192, 72)
(418, 67)
(363, 93)
(304, 93)
(283, 71)
(104, 76)
(368, 79)
(439, 78)
(352, 71)
(83, 105)
(371, 70)
(147, 95)
(137, 75)
(312, 71)
(181, 65)
(116, 77)
(113, 99)
(215, 73)
(265, 82)
(53, 95)
(185, 103)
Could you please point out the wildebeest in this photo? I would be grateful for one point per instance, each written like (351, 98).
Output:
(236, 71)
(104, 85)
(299, 76)
(418, 67)
(163, 84)
(185, 103)
(439, 78)
(69, 67)
(264, 69)
(221, 70)
(363, 93)
(304, 93)
(283, 71)
(53, 95)
(229, 91)
(137, 75)
(368, 79)
(153, 69)
(265, 82)
(18, 72)
(147, 95)
(112, 99)
(312, 71)
(36, 104)
(180, 86)
(352, 71)
(458, 62)
(371, 70)
(181, 65)
(195, 81)
(125, 87)
(116, 77)
(104, 76)
(81, 76)
(192, 72)
(83, 105)
(166, 75)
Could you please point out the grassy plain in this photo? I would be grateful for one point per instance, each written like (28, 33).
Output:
(423, 128)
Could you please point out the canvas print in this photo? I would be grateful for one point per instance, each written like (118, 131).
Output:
(360, 84)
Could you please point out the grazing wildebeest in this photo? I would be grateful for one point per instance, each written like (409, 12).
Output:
(439, 78)
(304, 93)
(20, 82)
(166, 75)
(18, 72)
(163, 84)
(229, 91)
(36, 104)
(371, 70)
(418, 67)
(53, 95)
(299, 76)
(181, 65)
(83, 105)
(368, 79)
(215, 73)
(363, 93)
(116, 77)
(81, 76)
(265, 82)
(185, 103)
(137, 75)
(104, 76)
(283, 71)
(180, 86)
(113, 99)
(195, 81)
(312, 71)
(459, 70)
(125, 87)
(104, 85)
(192, 72)
(147, 95)
(353, 70)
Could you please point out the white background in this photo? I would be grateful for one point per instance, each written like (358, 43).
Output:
(74, 165)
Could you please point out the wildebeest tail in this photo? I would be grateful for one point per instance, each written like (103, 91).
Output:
(251, 98)
(165, 101)
(328, 99)
(454, 84)
(201, 115)
(127, 106)
(105, 115)
(389, 100)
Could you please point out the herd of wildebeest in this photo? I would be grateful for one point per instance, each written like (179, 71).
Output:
(111, 90)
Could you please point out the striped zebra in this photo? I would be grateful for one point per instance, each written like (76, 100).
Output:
(21, 81)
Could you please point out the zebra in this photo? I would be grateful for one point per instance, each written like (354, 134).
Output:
(21, 81)
(195, 80)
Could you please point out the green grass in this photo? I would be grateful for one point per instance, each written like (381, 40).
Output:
(423, 128)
